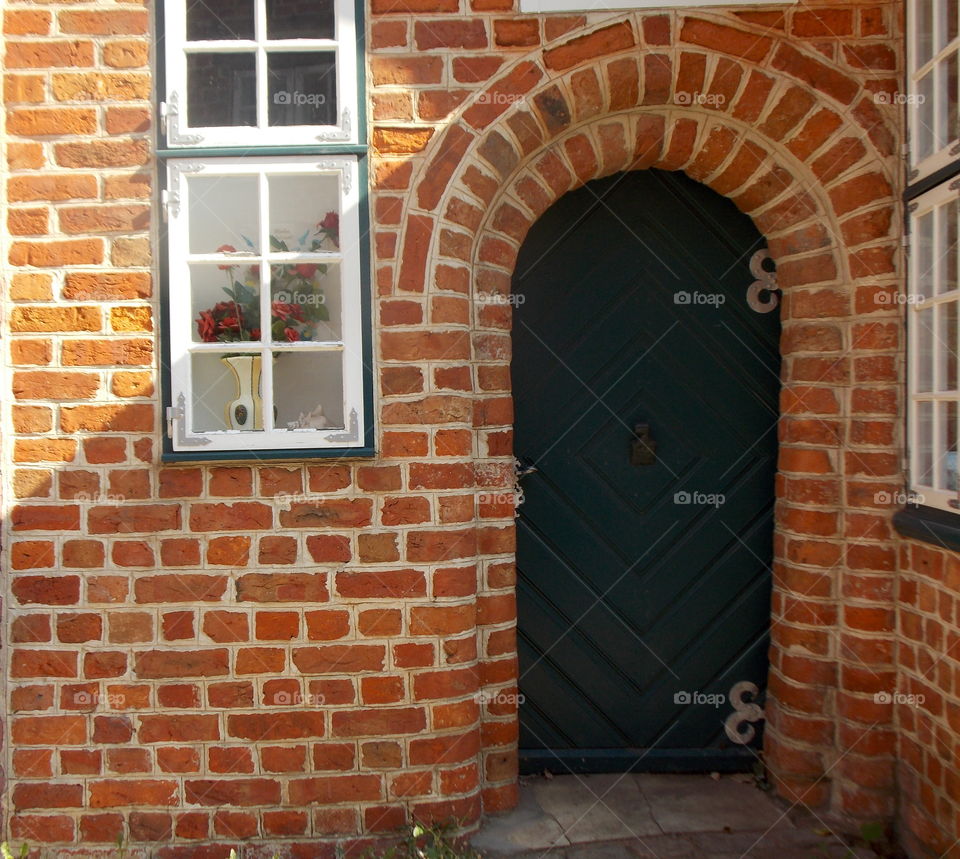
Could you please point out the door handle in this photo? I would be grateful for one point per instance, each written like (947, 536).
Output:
(643, 448)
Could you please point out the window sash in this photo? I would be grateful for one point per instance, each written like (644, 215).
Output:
(177, 49)
(931, 355)
(181, 313)
(928, 105)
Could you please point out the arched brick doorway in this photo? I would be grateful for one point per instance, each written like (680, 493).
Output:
(804, 151)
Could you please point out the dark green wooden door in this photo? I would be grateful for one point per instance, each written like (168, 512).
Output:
(642, 587)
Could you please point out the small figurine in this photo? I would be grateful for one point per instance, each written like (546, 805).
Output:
(314, 420)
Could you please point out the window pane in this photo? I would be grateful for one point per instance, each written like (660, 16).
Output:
(221, 90)
(219, 316)
(306, 302)
(923, 280)
(302, 88)
(947, 466)
(946, 22)
(304, 211)
(226, 392)
(946, 72)
(922, 130)
(301, 19)
(923, 34)
(924, 350)
(947, 249)
(924, 475)
(224, 214)
(308, 387)
(947, 346)
(219, 19)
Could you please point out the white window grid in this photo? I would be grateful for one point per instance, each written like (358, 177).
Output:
(933, 79)
(933, 309)
(177, 48)
(182, 324)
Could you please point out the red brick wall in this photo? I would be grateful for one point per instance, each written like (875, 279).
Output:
(926, 689)
(158, 646)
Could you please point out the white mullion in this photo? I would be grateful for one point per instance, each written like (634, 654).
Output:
(266, 301)
(220, 46)
(350, 287)
(288, 45)
(181, 362)
(260, 31)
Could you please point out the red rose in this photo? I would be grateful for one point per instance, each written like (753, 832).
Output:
(330, 223)
(207, 327)
(255, 333)
(291, 334)
(306, 270)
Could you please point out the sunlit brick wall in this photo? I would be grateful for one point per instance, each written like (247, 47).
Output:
(304, 649)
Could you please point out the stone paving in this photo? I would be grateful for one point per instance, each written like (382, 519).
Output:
(656, 817)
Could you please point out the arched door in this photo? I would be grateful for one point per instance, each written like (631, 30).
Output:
(646, 395)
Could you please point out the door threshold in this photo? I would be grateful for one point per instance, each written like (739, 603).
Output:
(560, 761)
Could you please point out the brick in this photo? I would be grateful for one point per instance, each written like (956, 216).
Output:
(607, 40)
(283, 587)
(389, 584)
(42, 122)
(467, 34)
(102, 153)
(232, 792)
(126, 53)
(159, 664)
(339, 658)
(48, 54)
(144, 792)
(326, 790)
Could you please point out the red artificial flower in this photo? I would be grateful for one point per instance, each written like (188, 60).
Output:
(306, 270)
(226, 249)
(291, 334)
(255, 334)
(330, 223)
(284, 311)
(207, 327)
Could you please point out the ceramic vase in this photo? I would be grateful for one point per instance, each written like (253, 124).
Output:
(246, 411)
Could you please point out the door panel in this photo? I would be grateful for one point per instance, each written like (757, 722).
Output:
(627, 596)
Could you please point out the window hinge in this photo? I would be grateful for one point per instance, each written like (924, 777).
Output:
(176, 417)
(163, 117)
(169, 204)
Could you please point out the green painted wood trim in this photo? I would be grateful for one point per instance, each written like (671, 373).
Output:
(940, 528)
(262, 151)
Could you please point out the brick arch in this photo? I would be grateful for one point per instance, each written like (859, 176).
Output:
(813, 166)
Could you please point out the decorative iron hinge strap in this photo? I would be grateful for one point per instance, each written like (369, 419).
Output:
(176, 429)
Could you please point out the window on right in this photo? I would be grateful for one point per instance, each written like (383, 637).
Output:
(933, 299)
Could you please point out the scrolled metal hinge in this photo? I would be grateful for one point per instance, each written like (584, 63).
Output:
(176, 418)
(765, 283)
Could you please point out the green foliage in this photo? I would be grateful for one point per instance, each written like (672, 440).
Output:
(422, 841)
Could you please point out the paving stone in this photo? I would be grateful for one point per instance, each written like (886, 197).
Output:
(596, 807)
(527, 827)
(684, 804)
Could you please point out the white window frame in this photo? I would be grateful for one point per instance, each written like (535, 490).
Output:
(181, 323)
(175, 110)
(539, 6)
(928, 267)
(947, 150)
